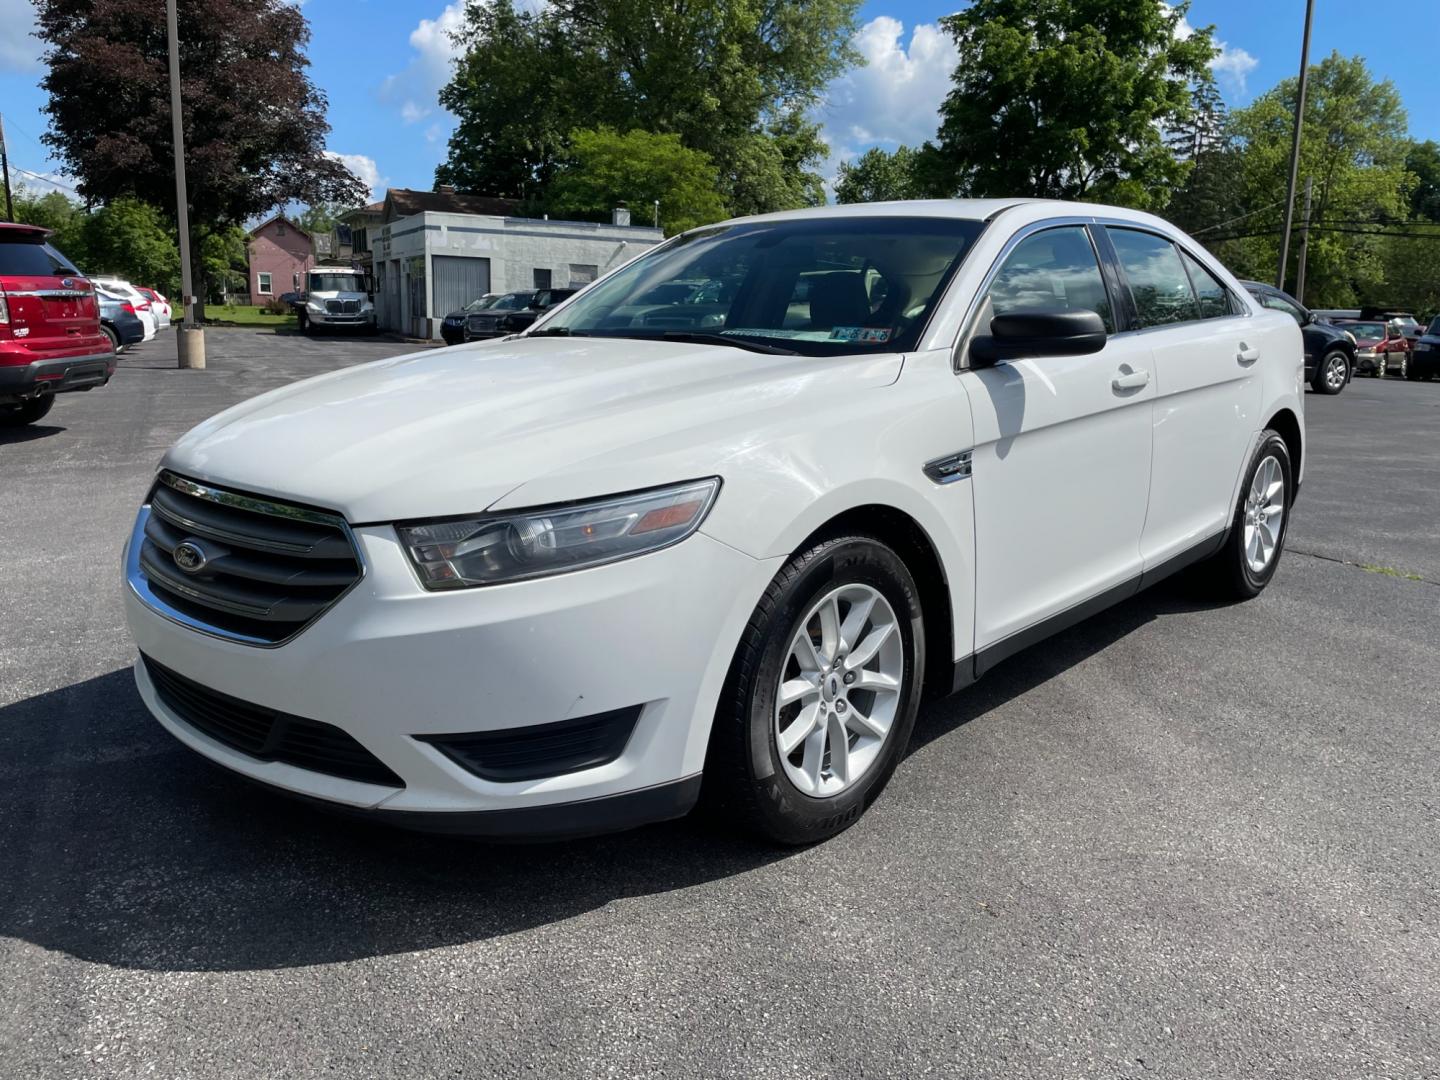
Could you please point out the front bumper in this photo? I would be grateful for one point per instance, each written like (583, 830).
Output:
(361, 319)
(390, 663)
(20, 382)
(1426, 358)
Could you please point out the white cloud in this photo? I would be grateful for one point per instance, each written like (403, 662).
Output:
(412, 113)
(19, 49)
(364, 167)
(895, 98)
(1230, 65)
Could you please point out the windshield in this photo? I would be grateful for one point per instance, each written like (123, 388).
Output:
(1367, 329)
(512, 301)
(337, 283)
(822, 286)
(1434, 330)
(481, 304)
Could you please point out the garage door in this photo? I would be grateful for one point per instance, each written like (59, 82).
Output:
(457, 281)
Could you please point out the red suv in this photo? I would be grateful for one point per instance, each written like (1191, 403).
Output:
(50, 336)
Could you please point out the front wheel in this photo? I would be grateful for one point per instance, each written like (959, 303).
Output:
(821, 695)
(1245, 564)
(1333, 373)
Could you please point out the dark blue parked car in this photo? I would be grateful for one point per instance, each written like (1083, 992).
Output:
(1425, 357)
(119, 321)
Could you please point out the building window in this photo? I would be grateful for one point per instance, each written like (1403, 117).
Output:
(280, 228)
(583, 274)
(263, 284)
(541, 279)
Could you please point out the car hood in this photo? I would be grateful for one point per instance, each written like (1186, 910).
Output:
(454, 431)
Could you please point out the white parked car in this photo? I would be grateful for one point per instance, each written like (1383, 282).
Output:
(143, 308)
(546, 585)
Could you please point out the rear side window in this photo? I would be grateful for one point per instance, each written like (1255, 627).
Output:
(1052, 270)
(34, 260)
(1157, 278)
(1214, 298)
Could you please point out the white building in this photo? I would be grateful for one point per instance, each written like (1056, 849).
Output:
(431, 262)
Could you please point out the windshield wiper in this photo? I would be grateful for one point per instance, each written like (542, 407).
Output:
(696, 338)
(557, 331)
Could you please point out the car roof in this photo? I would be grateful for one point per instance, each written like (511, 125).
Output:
(27, 233)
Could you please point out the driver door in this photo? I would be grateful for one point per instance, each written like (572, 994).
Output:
(1061, 466)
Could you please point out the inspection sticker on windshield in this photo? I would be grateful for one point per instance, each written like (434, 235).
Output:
(867, 334)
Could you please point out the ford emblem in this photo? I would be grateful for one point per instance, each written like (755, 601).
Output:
(67, 283)
(190, 557)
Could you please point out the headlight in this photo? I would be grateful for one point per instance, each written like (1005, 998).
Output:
(315, 306)
(495, 548)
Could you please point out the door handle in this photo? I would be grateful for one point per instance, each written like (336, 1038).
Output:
(1247, 355)
(1131, 380)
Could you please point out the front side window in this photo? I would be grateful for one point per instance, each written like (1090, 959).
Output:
(824, 286)
(1157, 277)
(264, 284)
(1279, 303)
(1052, 270)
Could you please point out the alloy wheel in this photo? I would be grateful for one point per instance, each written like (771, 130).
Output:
(1335, 373)
(839, 691)
(1264, 515)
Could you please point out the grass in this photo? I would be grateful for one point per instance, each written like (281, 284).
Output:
(247, 315)
(1390, 571)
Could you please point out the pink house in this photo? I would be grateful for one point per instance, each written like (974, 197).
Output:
(280, 254)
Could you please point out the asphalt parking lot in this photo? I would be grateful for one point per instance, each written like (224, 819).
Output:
(1181, 840)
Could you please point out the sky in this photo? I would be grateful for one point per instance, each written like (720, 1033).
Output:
(381, 63)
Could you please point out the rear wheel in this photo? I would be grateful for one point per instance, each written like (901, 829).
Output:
(1333, 373)
(115, 345)
(821, 695)
(26, 412)
(1246, 563)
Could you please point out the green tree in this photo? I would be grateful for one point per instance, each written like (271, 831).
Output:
(879, 176)
(1422, 161)
(1067, 99)
(1353, 148)
(133, 240)
(734, 79)
(62, 215)
(605, 169)
(319, 218)
(255, 124)
(224, 258)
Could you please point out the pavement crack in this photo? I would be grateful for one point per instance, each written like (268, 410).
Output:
(1384, 571)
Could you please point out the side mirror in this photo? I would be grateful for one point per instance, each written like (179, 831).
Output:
(1022, 334)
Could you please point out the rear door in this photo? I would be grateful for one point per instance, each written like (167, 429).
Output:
(1206, 350)
(1061, 463)
(52, 307)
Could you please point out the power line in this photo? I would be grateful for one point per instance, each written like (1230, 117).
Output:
(45, 179)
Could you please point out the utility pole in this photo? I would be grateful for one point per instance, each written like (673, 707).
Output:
(189, 336)
(1304, 241)
(1295, 146)
(5, 168)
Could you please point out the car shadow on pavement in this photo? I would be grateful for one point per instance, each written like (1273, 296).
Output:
(28, 433)
(120, 847)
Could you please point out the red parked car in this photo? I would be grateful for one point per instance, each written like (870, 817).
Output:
(50, 336)
(1381, 348)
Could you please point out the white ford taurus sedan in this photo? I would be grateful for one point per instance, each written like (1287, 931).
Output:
(713, 528)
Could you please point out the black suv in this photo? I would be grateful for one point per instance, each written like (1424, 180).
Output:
(544, 300)
(1329, 351)
(1425, 357)
(485, 323)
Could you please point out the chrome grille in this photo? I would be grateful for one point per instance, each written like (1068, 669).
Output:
(239, 566)
(343, 307)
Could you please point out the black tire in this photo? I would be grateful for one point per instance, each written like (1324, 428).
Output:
(1227, 574)
(26, 412)
(115, 345)
(744, 776)
(1412, 373)
(304, 321)
(1320, 381)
